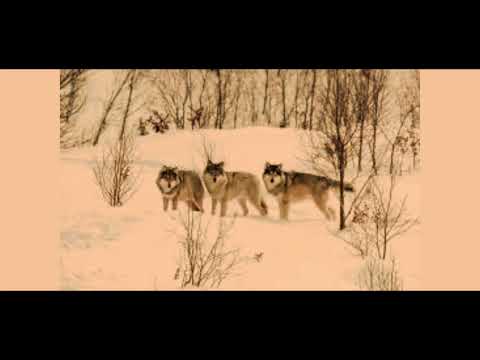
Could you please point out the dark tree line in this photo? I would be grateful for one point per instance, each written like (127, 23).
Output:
(344, 105)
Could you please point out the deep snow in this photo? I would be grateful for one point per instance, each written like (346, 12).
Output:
(133, 247)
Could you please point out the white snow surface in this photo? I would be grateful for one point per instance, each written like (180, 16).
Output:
(134, 247)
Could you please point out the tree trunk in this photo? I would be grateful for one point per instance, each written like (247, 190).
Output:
(265, 96)
(284, 104)
(269, 113)
(385, 238)
(392, 158)
(342, 180)
(129, 101)
(184, 103)
(364, 111)
(237, 100)
(71, 100)
(177, 117)
(190, 89)
(219, 100)
(224, 104)
(312, 92)
(374, 141)
(365, 95)
(296, 102)
(360, 150)
(108, 109)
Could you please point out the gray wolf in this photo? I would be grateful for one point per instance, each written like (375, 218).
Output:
(225, 186)
(180, 185)
(291, 187)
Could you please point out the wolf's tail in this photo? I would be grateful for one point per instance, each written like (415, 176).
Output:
(346, 186)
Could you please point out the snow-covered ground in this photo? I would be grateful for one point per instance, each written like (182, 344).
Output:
(134, 247)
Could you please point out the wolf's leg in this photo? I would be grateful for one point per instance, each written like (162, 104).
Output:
(199, 201)
(256, 200)
(333, 216)
(260, 205)
(192, 204)
(264, 207)
(223, 208)
(165, 204)
(214, 206)
(320, 201)
(284, 207)
(174, 203)
(243, 205)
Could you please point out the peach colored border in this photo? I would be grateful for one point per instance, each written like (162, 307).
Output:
(29, 238)
(29, 257)
(450, 112)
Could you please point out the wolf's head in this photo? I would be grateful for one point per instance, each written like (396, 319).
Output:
(168, 179)
(273, 175)
(215, 171)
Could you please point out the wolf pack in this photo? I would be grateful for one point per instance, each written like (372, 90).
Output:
(288, 187)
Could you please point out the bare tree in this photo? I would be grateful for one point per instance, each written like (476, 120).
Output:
(121, 80)
(305, 92)
(72, 97)
(362, 106)
(115, 172)
(187, 95)
(237, 97)
(267, 98)
(231, 97)
(252, 99)
(339, 129)
(72, 101)
(208, 151)
(378, 80)
(205, 261)
(265, 94)
(171, 90)
(376, 275)
(379, 218)
(306, 97)
(410, 104)
(296, 97)
(312, 97)
(133, 80)
(223, 92)
(282, 76)
(220, 100)
(331, 149)
(403, 134)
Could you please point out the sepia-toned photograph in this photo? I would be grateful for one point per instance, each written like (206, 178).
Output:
(262, 179)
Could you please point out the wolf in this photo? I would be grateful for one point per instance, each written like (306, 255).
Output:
(291, 187)
(180, 185)
(226, 186)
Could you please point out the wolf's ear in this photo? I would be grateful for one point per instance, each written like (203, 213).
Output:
(209, 162)
(221, 164)
(267, 165)
(164, 167)
(175, 169)
(279, 166)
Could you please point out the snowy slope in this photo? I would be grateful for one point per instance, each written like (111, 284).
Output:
(134, 247)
